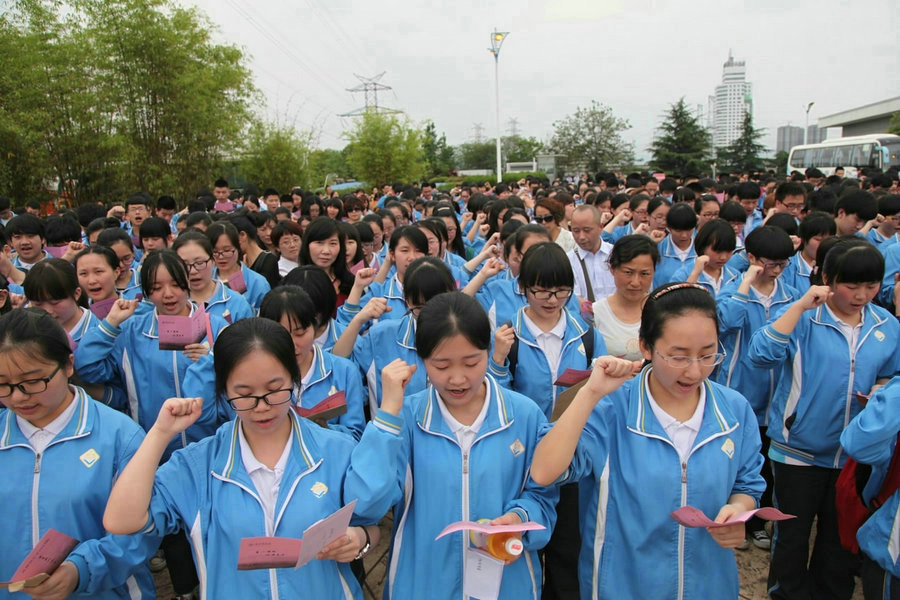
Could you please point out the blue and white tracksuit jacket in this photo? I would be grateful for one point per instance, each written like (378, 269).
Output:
(670, 262)
(739, 316)
(431, 483)
(151, 375)
(332, 334)
(631, 478)
(391, 290)
(113, 391)
(257, 287)
(534, 377)
(66, 488)
(871, 438)
(891, 268)
(228, 304)
(729, 275)
(818, 377)
(205, 489)
(377, 348)
(796, 274)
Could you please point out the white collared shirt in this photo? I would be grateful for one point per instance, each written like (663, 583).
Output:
(465, 434)
(41, 438)
(682, 435)
(266, 481)
(765, 300)
(851, 332)
(715, 283)
(597, 265)
(549, 342)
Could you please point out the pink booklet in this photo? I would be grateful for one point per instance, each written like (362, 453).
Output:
(268, 553)
(489, 529)
(236, 282)
(177, 332)
(102, 308)
(224, 206)
(690, 516)
(50, 552)
(57, 251)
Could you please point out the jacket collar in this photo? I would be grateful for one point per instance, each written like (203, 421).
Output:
(321, 366)
(80, 424)
(717, 418)
(800, 265)
(407, 331)
(499, 413)
(667, 248)
(89, 321)
(871, 319)
(394, 288)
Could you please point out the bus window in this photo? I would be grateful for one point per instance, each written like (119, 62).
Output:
(826, 157)
(841, 153)
(893, 154)
(798, 158)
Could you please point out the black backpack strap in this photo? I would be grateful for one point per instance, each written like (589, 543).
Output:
(513, 357)
(587, 338)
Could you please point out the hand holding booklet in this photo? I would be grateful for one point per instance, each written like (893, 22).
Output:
(690, 516)
(177, 332)
(50, 552)
(281, 553)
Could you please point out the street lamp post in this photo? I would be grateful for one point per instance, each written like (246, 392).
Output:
(806, 130)
(497, 38)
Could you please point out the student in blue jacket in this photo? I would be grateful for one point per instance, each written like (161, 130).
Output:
(715, 244)
(321, 373)
(458, 450)
(676, 250)
(827, 347)
(52, 286)
(266, 473)
(318, 285)
(871, 439)
(226, 253)
(394, 338)
(407, 243)
(128, 284)
(60, 453)
(813, 230)
(645, 446)
(196, 251)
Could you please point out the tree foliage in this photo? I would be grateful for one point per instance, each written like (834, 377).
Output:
(682, 144)
(277, 157)
(438, 154)
(894, 126)
(591, 139)
(325, 162)
(520, 149)
(477, 155)
(744, 153)
(384, 148)
(110, 96)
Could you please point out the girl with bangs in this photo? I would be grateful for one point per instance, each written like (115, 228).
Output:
(324, 245)
(831, 349)
(715, 244)
(227, 259)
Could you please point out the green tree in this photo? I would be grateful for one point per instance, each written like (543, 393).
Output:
(438, 155)
(477, 155)
(780, 162)
(894, 127)
(110, 96)
(743, 154)
(325, 162)
(384, 148)
(277, 157)
(591, 139)
(682, 144)
(520, 149)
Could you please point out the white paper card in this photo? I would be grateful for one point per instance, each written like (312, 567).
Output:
(321, 533)
(483, 575)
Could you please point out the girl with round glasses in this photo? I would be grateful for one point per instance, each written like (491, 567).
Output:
(226, 253)
(642, 447)
(267, 472)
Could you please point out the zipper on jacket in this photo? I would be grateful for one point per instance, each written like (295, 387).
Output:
(35, 525)
(465, 504)
(178, 392)
(681, 532)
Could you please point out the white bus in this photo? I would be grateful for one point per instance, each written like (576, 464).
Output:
(880, 150)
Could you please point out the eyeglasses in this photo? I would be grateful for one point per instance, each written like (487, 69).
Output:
(273, 398)
(775, 264)
(547, 294)
(367, 244)
(29, 386)
(793, 206)
(707, 215)
(198, 265)
(639, 212)
(127, 260)
(224, 253)
(544, 219)
(683, 362)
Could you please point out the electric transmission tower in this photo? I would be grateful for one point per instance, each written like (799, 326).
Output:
(370, 87)
(478, 133)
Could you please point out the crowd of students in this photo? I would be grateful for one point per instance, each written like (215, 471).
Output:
(738, 338)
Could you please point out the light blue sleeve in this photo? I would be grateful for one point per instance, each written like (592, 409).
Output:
(95, 357)
(870, 436)
(378, 466)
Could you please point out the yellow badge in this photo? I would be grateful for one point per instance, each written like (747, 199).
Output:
(879, 335)
(581, 349)
(332, 391)
(516, 447)
(319, 489)
(89, 458)
(728, 448)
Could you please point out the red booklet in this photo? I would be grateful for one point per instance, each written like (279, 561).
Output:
(333, 406)
(50, 552)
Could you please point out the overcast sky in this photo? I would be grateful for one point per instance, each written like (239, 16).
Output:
(637, 56)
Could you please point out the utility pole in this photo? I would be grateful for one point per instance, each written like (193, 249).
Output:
(496, 42)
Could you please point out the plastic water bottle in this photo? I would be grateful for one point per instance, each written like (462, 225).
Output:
(502, 546)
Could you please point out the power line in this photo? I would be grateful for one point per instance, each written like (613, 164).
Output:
(370, 87)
